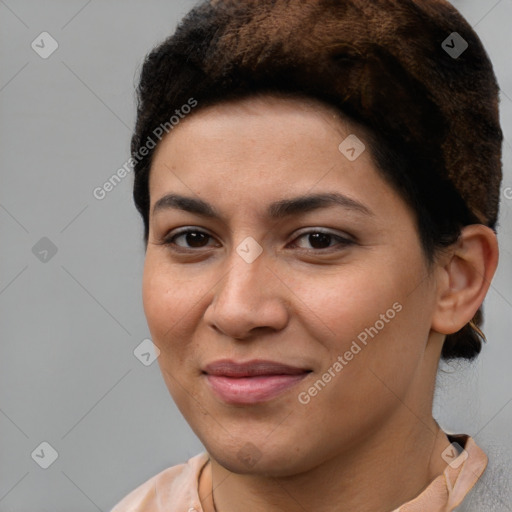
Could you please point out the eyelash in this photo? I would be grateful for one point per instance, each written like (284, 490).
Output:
(170, 241)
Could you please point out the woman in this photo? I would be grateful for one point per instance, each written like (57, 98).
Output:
(319, 185)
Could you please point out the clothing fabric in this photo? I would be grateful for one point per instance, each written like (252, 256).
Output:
(176, 489)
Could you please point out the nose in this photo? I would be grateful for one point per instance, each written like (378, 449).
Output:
(249, 298)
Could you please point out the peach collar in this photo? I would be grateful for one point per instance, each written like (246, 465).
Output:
(448, 490)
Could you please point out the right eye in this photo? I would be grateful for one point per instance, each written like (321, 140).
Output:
(193, 238)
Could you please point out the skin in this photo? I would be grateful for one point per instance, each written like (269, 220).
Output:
(367, 440)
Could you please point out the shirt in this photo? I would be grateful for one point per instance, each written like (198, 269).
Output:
(176, 489)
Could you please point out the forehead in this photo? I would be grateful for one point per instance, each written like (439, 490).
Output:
(263, 132)
(253, 119)
(251, 152)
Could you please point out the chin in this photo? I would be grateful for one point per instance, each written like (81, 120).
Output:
(247, 459)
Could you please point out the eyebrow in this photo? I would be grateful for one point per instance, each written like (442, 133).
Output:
(277, 210)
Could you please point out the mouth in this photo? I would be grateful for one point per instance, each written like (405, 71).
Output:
(253, 381)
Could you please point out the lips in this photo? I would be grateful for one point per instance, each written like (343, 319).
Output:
(251, 382)
(228, 368)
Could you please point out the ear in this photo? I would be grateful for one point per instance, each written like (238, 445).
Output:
(464, 277)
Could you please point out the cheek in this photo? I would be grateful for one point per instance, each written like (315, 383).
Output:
(343, 303)
(171, 308)
(168, 301)
(376, 318)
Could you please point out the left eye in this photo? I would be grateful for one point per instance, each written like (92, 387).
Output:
(321, 240)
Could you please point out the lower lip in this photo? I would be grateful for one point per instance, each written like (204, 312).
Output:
(251, 390)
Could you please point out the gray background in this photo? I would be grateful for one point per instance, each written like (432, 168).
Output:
(70, 323)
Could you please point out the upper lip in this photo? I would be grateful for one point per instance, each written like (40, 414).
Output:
(229, 368)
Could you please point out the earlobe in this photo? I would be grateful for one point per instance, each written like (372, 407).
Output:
(463, 280)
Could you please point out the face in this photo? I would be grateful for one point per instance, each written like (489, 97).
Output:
(295, 255)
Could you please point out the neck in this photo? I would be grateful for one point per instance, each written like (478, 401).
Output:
(384, 473)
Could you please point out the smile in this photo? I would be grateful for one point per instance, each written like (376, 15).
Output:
(251, 390)
(251, 382)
